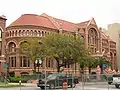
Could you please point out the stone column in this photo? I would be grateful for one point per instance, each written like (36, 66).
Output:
(86, 40)
(17, 58)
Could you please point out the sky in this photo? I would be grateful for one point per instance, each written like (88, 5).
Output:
(104, 11)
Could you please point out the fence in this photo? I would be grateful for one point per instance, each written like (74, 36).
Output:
(52, 81)
(56, 81)
(96, 81)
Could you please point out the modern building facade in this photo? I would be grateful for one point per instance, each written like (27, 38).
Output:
(31, 25)
(114, 32)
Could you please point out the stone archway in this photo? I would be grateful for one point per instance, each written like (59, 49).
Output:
(12, 41)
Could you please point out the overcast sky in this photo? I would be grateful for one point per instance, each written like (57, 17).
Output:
(104, 11)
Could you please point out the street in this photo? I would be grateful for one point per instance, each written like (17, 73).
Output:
(78, 87)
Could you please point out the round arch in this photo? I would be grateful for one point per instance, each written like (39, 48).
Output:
(93, 39)
(10, 42)
(22, 41)
(93, 36)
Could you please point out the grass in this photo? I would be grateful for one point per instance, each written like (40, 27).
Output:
(10, 85)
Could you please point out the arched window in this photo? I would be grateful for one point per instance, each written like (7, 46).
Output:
(27, 32)
(23, 32)
(12, 47)
(16, 33)
(31, 32)
(12, 33)
(39, 33)
(20, 33)
(93, 39)
(35, 33)
(42, 33)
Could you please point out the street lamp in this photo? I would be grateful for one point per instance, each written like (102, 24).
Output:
(38, 62)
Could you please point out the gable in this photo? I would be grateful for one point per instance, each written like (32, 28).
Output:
(92, 22)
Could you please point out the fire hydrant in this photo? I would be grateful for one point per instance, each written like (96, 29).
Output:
(64, 85)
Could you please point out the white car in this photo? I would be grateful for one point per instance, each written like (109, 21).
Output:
(116, 80)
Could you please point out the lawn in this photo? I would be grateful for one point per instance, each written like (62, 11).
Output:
(9, 85)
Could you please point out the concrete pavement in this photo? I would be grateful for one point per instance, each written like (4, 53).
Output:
(25, 84)
(80, 86)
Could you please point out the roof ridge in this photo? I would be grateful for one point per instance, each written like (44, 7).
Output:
(52, 20)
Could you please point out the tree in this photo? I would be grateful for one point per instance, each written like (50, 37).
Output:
(100, 60)
(31, 47)
(87, 61)
(63, 48)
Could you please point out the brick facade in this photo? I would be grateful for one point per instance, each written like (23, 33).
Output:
(30, 25)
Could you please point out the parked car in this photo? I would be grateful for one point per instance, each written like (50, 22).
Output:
(114, 80)
(56, 81)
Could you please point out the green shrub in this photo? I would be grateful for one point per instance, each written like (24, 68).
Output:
(17, 79)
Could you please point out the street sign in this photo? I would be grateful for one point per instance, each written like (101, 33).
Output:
(5, 66)
(104, 66)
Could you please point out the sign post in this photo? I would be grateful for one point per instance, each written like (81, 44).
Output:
(104, 66)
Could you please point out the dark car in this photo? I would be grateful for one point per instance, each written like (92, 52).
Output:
(56, 81)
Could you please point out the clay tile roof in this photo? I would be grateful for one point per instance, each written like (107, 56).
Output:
(103, 36)
(32, 19)
(65, 25)
(61, 24)
(46, 21)
(83, 23)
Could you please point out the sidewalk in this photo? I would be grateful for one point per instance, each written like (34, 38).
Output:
(25, 84)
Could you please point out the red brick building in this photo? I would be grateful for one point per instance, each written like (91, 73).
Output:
(31, 25)
(2, 43)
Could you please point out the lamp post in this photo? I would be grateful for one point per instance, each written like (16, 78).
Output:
(38, 62)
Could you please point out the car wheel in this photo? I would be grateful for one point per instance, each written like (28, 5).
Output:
(52, 86)
(42, 87)
(73, 85)
(109, 82)
(117, 86)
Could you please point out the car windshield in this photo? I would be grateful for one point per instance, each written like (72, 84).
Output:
(52, 76)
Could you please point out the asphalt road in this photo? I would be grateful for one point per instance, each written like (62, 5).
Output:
(89, 86)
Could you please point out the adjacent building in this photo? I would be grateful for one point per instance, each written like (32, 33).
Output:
(2, 44)
(114, 32)
(31, 25)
